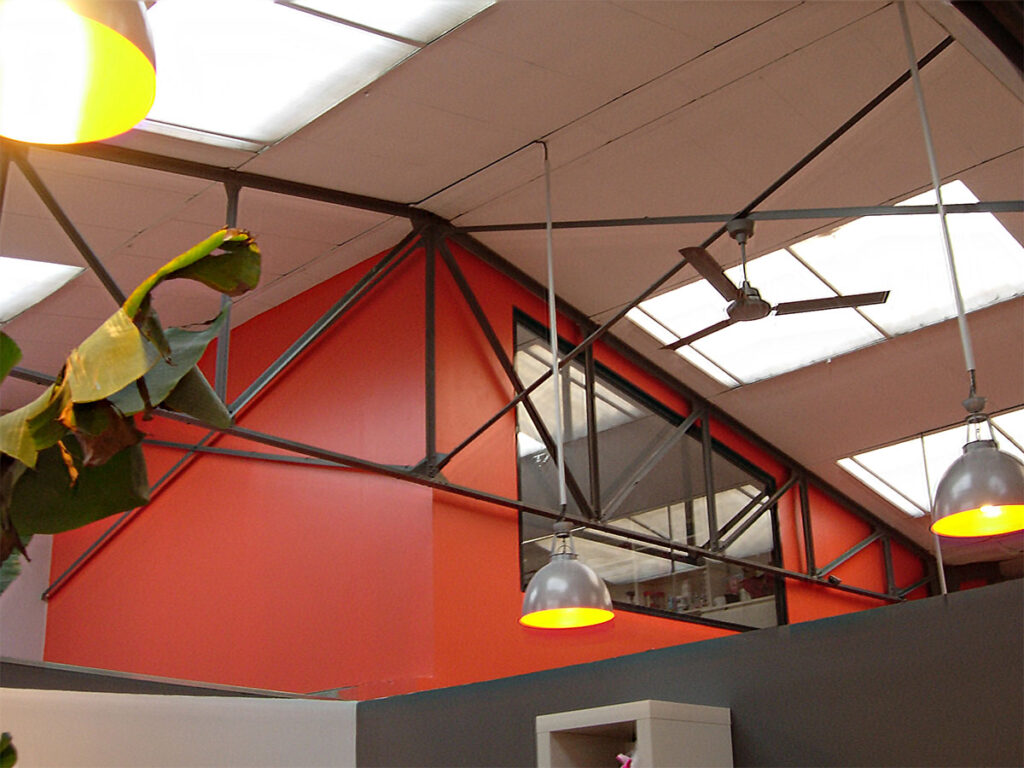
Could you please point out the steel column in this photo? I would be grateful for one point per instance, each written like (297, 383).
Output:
(429, 239)
(69, 228)
(220, 381)
(805, 520)
(708, 453)
(890, 578)
(377, 273)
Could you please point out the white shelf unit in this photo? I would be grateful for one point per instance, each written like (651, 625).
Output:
(667, 735)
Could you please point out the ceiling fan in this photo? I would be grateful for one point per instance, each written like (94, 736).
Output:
(745, 302)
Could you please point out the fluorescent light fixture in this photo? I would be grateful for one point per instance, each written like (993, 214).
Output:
(902, 254)
(247, 73)
(528, 445)
(419, 20)
(899, 472)
(24, 283)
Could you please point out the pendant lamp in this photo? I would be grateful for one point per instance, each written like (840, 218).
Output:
(565, 593)
(982, 492)
(73, 71)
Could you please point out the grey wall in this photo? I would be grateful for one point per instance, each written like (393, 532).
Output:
(931, 682)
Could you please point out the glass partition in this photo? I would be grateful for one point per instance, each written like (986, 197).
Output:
(653, 480)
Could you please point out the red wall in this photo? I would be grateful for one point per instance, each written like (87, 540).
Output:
(306, 578)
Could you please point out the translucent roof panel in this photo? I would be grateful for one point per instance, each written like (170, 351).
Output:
(248, 73)
(902, 254)
(907, 473)
(24, 283)
(905, 255)
(420, 20)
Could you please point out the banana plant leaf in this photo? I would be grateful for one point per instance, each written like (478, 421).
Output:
(16, 434)
(9, 355)
(11, 566)
(196, 397)
(186, 348)
(233, 272)
(114, 356)
(8, 754)
(44, 500)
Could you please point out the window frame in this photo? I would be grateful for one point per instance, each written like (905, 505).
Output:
(522, 320)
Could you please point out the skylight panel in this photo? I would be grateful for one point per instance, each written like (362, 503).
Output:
(420, 20)
(24, 283)
(902, 254)
(905, 255)
(247, 73)
(907, 473)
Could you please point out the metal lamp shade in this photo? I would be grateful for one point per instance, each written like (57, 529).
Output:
(73, 71)
(564, 594)
(981, 494)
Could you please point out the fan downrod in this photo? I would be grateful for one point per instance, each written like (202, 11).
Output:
(748, 304)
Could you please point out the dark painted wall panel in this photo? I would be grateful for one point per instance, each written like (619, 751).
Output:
(930, 682)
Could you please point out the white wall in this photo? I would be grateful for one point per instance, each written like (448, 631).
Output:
(22, 613)
(65, 728)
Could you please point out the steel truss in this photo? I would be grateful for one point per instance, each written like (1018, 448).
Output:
(432, 234)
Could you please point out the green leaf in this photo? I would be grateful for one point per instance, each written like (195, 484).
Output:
(196, 397)
(9, 355)
(15, 433)
(187, 348)
(44, 501)
(8, 754)
(230, 239)
(9, 571)
(233, 272)
(114, 356)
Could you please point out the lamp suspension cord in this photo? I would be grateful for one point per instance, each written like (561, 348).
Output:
(553, 334)
(965, 337)
(931, 505)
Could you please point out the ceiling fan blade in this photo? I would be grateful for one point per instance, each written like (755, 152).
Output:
(708, 268)
(700, 334)
(835, 302)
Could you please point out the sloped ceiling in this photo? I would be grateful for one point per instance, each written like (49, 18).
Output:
(648, 109)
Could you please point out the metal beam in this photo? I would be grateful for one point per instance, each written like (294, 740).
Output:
(731, 522)
(772, 188)
(377, 273)
(770, 502)
(243, 179)
(707, 454)
(786, 214)
(459, 490)
(627, 485)
(871, 539)
(120, 523)
(69, 228)
(517, 384)
(238, 454)
(5, 165)
(924, 580)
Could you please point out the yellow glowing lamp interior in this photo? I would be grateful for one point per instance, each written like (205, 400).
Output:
(66, 79)
(984, 521)
(566, 618)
